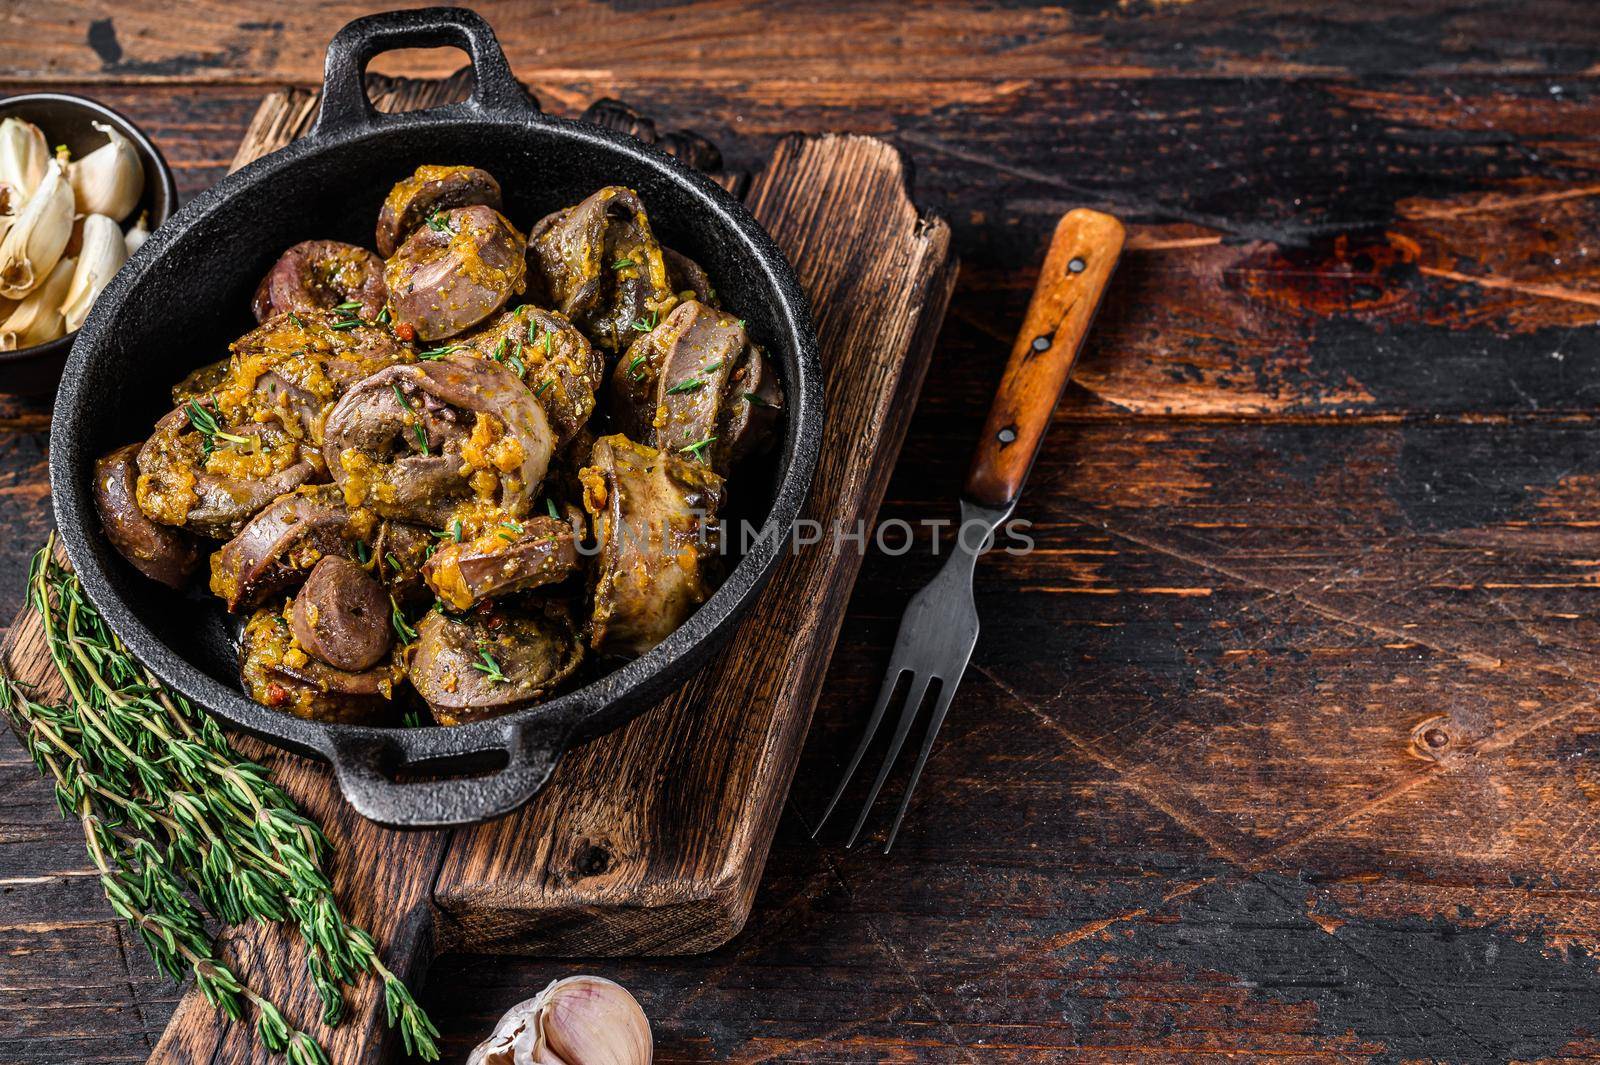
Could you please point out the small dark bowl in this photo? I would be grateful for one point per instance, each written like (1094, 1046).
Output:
(67, 120)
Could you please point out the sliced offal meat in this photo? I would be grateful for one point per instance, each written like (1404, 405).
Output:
(293, 366)
(494, 660)
(557, 363)
(507, 557)
(598, 263)
(685, 277)
(414, 442)
(697, 385)
(277, 672)
(455, 270)
(341, 615)
(321, 275)
(210, 478)
(655, 525)
(429, 190)
(160, 552)
(280, 546)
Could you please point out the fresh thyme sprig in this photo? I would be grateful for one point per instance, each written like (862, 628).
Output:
(205, 423)
(489, 667)
(168, 807)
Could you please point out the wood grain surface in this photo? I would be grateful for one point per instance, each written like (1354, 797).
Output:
(1281, 744)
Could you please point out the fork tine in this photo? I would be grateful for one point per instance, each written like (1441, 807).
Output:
(891, 680)
(947, 691)
(919, 688)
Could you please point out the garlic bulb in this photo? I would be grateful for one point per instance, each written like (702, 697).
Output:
(135, 237)
(110, 179)
(102, 255)
(38, 318)
(24, 154)
(582, 1020)
(36, 239)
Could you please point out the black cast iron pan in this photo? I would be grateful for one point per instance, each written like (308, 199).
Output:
(186, 294)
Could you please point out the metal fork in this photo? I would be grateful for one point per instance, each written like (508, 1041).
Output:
(940, 625)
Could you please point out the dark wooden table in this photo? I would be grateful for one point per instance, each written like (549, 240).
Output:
(1283, 743)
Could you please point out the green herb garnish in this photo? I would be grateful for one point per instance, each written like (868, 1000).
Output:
(394, 563)
(644, 325)
(633, 367)
(411, 719)
(550, 508)
(697, 449)
(363, 553)
(622, 264)
(489, 667)
(402, 627)
(205, 423)
(755, 400)
(543, 385)
(437, 353)
(690, 384)
(439, 223)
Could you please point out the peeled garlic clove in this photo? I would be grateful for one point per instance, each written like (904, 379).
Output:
(38, 318)
(110, 179)
(35, 241)
(135, 237)
(582, 1020)
(24, 154)
(103, 255)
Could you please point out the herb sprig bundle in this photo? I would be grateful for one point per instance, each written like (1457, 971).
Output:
(171, 814)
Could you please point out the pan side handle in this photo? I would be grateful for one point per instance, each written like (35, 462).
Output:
(370, 769)
(345, 104)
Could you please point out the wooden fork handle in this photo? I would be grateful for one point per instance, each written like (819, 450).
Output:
(1077, 269)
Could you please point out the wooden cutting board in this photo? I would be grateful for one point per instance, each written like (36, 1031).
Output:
(650, 840)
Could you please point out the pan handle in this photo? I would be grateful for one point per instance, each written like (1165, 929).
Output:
(345, 104)
(366, 768)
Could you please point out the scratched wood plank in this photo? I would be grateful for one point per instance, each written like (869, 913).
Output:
(716, 42)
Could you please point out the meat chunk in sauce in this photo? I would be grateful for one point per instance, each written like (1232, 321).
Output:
(323, 275)
(341, 615)
(654, 517)
(429, 190)
(493, 661)
(277, 672)
(599, 264)
(160, 552)
(698, 384)
(557, 363)
(454, 271)
(415, 442)
(507, 557)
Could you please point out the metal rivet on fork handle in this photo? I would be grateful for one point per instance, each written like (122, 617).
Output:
(940, 625)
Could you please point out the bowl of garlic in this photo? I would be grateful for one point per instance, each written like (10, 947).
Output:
(80, 189)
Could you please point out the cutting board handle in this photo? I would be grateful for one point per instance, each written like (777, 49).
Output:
(1083, 253)
(345, 104)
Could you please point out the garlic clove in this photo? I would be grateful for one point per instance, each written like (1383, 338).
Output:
(102, 255)
(593, 1021)
(581, 1020)
(135, 237)
(38, 318)
(35, 241)
(110, 179)
(24, 154)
